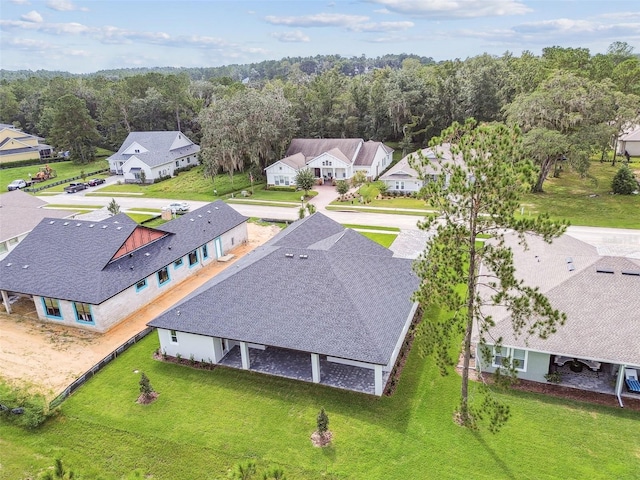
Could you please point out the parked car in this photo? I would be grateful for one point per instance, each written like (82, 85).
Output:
(75, 187)
(178, 207)
(17, 185)
(95, 181)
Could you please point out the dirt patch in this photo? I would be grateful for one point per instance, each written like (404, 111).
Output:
(321, 440)
(47, 357)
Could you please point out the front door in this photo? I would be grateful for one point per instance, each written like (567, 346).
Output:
(218, 244)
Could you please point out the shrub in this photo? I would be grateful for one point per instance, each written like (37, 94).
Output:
(624, 183)
(22, 408)
(322, 422)
(145, 386)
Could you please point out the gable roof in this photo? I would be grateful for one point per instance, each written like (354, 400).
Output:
(74, 260)
(313, 288)
(313, 147)
(21, 212)
(602, 308)
(403, 169)
(633, 136)
(157, 148)
(368, 151)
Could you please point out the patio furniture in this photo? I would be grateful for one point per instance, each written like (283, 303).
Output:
(592, 364)
(631, 378)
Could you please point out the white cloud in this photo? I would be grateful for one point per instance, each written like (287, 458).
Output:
(383, 11)
(291, 37)
(454, 9)
(21, 2)
(318, 20)
(381, 26)
(29, 44)
(32, 16)
(64, 6)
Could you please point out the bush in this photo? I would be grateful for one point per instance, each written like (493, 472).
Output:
(624, 183)
(322, 422)
(22, 408)
(282, 189)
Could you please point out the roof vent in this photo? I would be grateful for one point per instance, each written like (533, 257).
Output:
(92, 225)
(104, 226)
(571, 267)
(635, 273)
(217, 208)
(147, 254)
(131, 267)
(25, 266)
(569, 260)
(604, 270)
(78, 224)
(118, 228)
(52, 222)
(192, 219)
(208, 211)
(288, 255)
(199, 216)
(65, 223)
(9, 264)
(304, 256)
(116, 221)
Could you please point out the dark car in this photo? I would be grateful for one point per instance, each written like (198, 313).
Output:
(75, 187)
(95, 181)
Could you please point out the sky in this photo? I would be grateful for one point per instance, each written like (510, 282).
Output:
(85, 36)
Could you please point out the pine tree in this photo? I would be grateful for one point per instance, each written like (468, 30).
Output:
(624, 183)
(146, 390)
(322, 422)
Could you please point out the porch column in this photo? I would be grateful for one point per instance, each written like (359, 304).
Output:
(378, 380)
(5, 300)
(315, 367)
(244, 353)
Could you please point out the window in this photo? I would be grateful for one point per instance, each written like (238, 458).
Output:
(13, 241)
(189, 160)
(83, 312)
(205, 251)
(51, 307)
(281, 180)
(193, 258)
(233, 240)
(399, 185)
(178, 263)
(177, 163)
(141, 284)
(507, 357)
(174, 336)
(3, 247)
(163, 275)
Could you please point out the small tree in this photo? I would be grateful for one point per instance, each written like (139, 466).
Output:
(146, 390)
(113, 207)
(359, 178)
(274, 474)
(624, 183)
(342, 186)
(305, 179)
(143, 177)
(322, 422)
(244, 471)
(311, 208)
(301, 213)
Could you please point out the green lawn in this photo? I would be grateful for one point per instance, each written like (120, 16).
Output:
(587, 201)
(397, 202)
(204, 422)
(63, 170)
(370, 227)
(384, 239)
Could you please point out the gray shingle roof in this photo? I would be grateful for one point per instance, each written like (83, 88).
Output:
(603, 310)
(71, 259)
(158, 145)
(342, 300)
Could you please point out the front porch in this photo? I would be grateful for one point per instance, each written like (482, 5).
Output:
(298, 366)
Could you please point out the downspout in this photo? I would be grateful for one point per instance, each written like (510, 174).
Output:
(619, 384)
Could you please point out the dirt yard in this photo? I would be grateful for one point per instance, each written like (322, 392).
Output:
(46, 357)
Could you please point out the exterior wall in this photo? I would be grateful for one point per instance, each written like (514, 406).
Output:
(409, 185)
(67, 315)
(537, 366)
(331, 166)
(15, 157)
(188, 344)
(380, 162)
(632, 147)
(398, 347)
(134, 162)
(280, 169)
(230, 240)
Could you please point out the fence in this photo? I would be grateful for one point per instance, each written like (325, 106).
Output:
(97, 367)
(66, 180)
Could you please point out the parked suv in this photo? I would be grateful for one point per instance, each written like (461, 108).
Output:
(17, 185)
(95, 181)
(178, 207)
(74, 187)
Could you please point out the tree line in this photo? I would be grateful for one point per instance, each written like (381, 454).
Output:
(569, 104)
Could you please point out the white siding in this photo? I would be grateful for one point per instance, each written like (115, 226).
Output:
(199, 346)
(285, 174)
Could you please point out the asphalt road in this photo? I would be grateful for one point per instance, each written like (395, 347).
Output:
(610, 241)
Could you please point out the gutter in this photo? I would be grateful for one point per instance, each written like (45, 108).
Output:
(619, 384)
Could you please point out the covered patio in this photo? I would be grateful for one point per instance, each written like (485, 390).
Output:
(604, 380)
(298, 366)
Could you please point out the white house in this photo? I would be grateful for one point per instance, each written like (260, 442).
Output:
(318, 303)
(601, 337)
(330, 159)
(151, 155)
(19, 214)
(402, 177)
(630, 142)
(93, 274)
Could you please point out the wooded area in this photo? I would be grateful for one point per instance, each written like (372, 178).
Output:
(569, 103)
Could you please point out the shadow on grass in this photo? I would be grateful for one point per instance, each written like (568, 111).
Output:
(503, 469)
